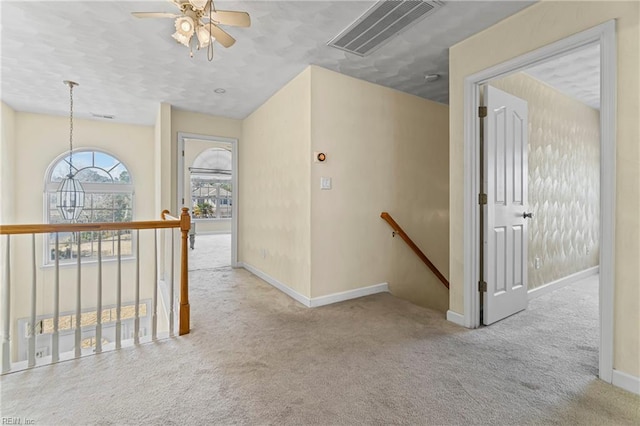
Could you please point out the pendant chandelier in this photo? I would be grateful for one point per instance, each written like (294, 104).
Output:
(70, 192)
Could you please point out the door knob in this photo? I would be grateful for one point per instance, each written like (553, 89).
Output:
(527, 215)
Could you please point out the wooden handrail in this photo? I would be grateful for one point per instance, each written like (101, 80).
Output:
(184, 223)
(386, 216)
(166, 215)
(87, 227)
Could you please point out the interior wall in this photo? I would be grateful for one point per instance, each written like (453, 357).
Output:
(7, 161)
(274, 168)
(521, 33)
(162, 159)
(39, 139)
(564, 180)
(386, 151)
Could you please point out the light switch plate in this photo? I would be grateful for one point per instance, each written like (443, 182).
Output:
(325, 183)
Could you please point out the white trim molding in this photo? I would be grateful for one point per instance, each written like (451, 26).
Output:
(604, 35)
(562, 282)
(316, 301)
(626, 381)
(277, 284)
(349, 294)
(455, 318)
(182, 136)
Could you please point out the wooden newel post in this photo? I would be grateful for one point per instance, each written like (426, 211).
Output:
(185, 225)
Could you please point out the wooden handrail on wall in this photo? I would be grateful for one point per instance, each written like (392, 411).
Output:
(387, 217)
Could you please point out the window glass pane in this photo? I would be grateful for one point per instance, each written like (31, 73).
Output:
(120, 174)
(60, 171)
(93, 174)
(82, 159)
(104, 161)
(104, 206)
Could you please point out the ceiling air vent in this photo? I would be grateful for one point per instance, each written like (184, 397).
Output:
(380, 23)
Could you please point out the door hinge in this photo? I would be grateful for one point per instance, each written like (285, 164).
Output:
(482, 286)
(183, 201)
(482, 111)
(183, 152)
(482, 199)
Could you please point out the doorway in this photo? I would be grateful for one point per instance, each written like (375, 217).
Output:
(604, 36)
(207, 185)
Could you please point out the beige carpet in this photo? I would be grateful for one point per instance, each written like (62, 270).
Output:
(257, 357)
(210, 251)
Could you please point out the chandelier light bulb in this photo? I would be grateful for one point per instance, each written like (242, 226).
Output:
(185, 26)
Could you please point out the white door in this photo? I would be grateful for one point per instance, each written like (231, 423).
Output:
(505, 214)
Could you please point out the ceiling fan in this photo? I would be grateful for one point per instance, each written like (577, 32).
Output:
(191, 21)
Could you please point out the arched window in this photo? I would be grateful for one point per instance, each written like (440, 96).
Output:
(211, 176)
(108, 198)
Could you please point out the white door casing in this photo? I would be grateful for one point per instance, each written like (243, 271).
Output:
(505, 225)
(605, 35)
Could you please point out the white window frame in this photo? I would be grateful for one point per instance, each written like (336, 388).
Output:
(50, 187)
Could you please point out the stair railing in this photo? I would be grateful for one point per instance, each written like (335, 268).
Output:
(398, 230)
(76, 321)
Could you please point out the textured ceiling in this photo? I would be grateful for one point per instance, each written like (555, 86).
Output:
(126, 66)
(576, 75)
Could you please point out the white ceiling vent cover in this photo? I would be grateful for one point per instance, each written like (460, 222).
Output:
(380, 23)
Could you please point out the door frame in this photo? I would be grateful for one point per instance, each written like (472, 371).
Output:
(182, 137)
(604, 35)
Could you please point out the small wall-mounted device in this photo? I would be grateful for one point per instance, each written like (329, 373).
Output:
(319, 157)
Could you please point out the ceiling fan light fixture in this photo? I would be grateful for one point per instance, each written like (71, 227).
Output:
(181, 38)
(204, 36)
(185, 25)
(199, 4)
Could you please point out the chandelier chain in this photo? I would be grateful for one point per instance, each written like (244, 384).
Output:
(70, 127)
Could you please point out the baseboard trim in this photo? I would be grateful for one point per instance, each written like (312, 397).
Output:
(626, 381)
(316, 301)
(562, 282)
(277, 284)
(455, 318)
(349, 294)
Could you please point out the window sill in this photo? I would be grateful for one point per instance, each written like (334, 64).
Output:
(74, 264)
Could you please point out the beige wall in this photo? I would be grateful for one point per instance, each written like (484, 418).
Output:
(39, 139)
(162, 159)
(386, 151)
(274, 205)
(564, 180)
(7, 162)
(534, 27)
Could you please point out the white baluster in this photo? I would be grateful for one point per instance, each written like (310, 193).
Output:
(136, 332)
(55, 338)
(171, 300)
(154, 315)
(78, 336)
(6, 306)
(119, 297)
(32, 321)
(99, 301)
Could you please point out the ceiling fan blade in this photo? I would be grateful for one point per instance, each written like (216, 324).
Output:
(219, 34)
(154, 15)
(233, 18)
